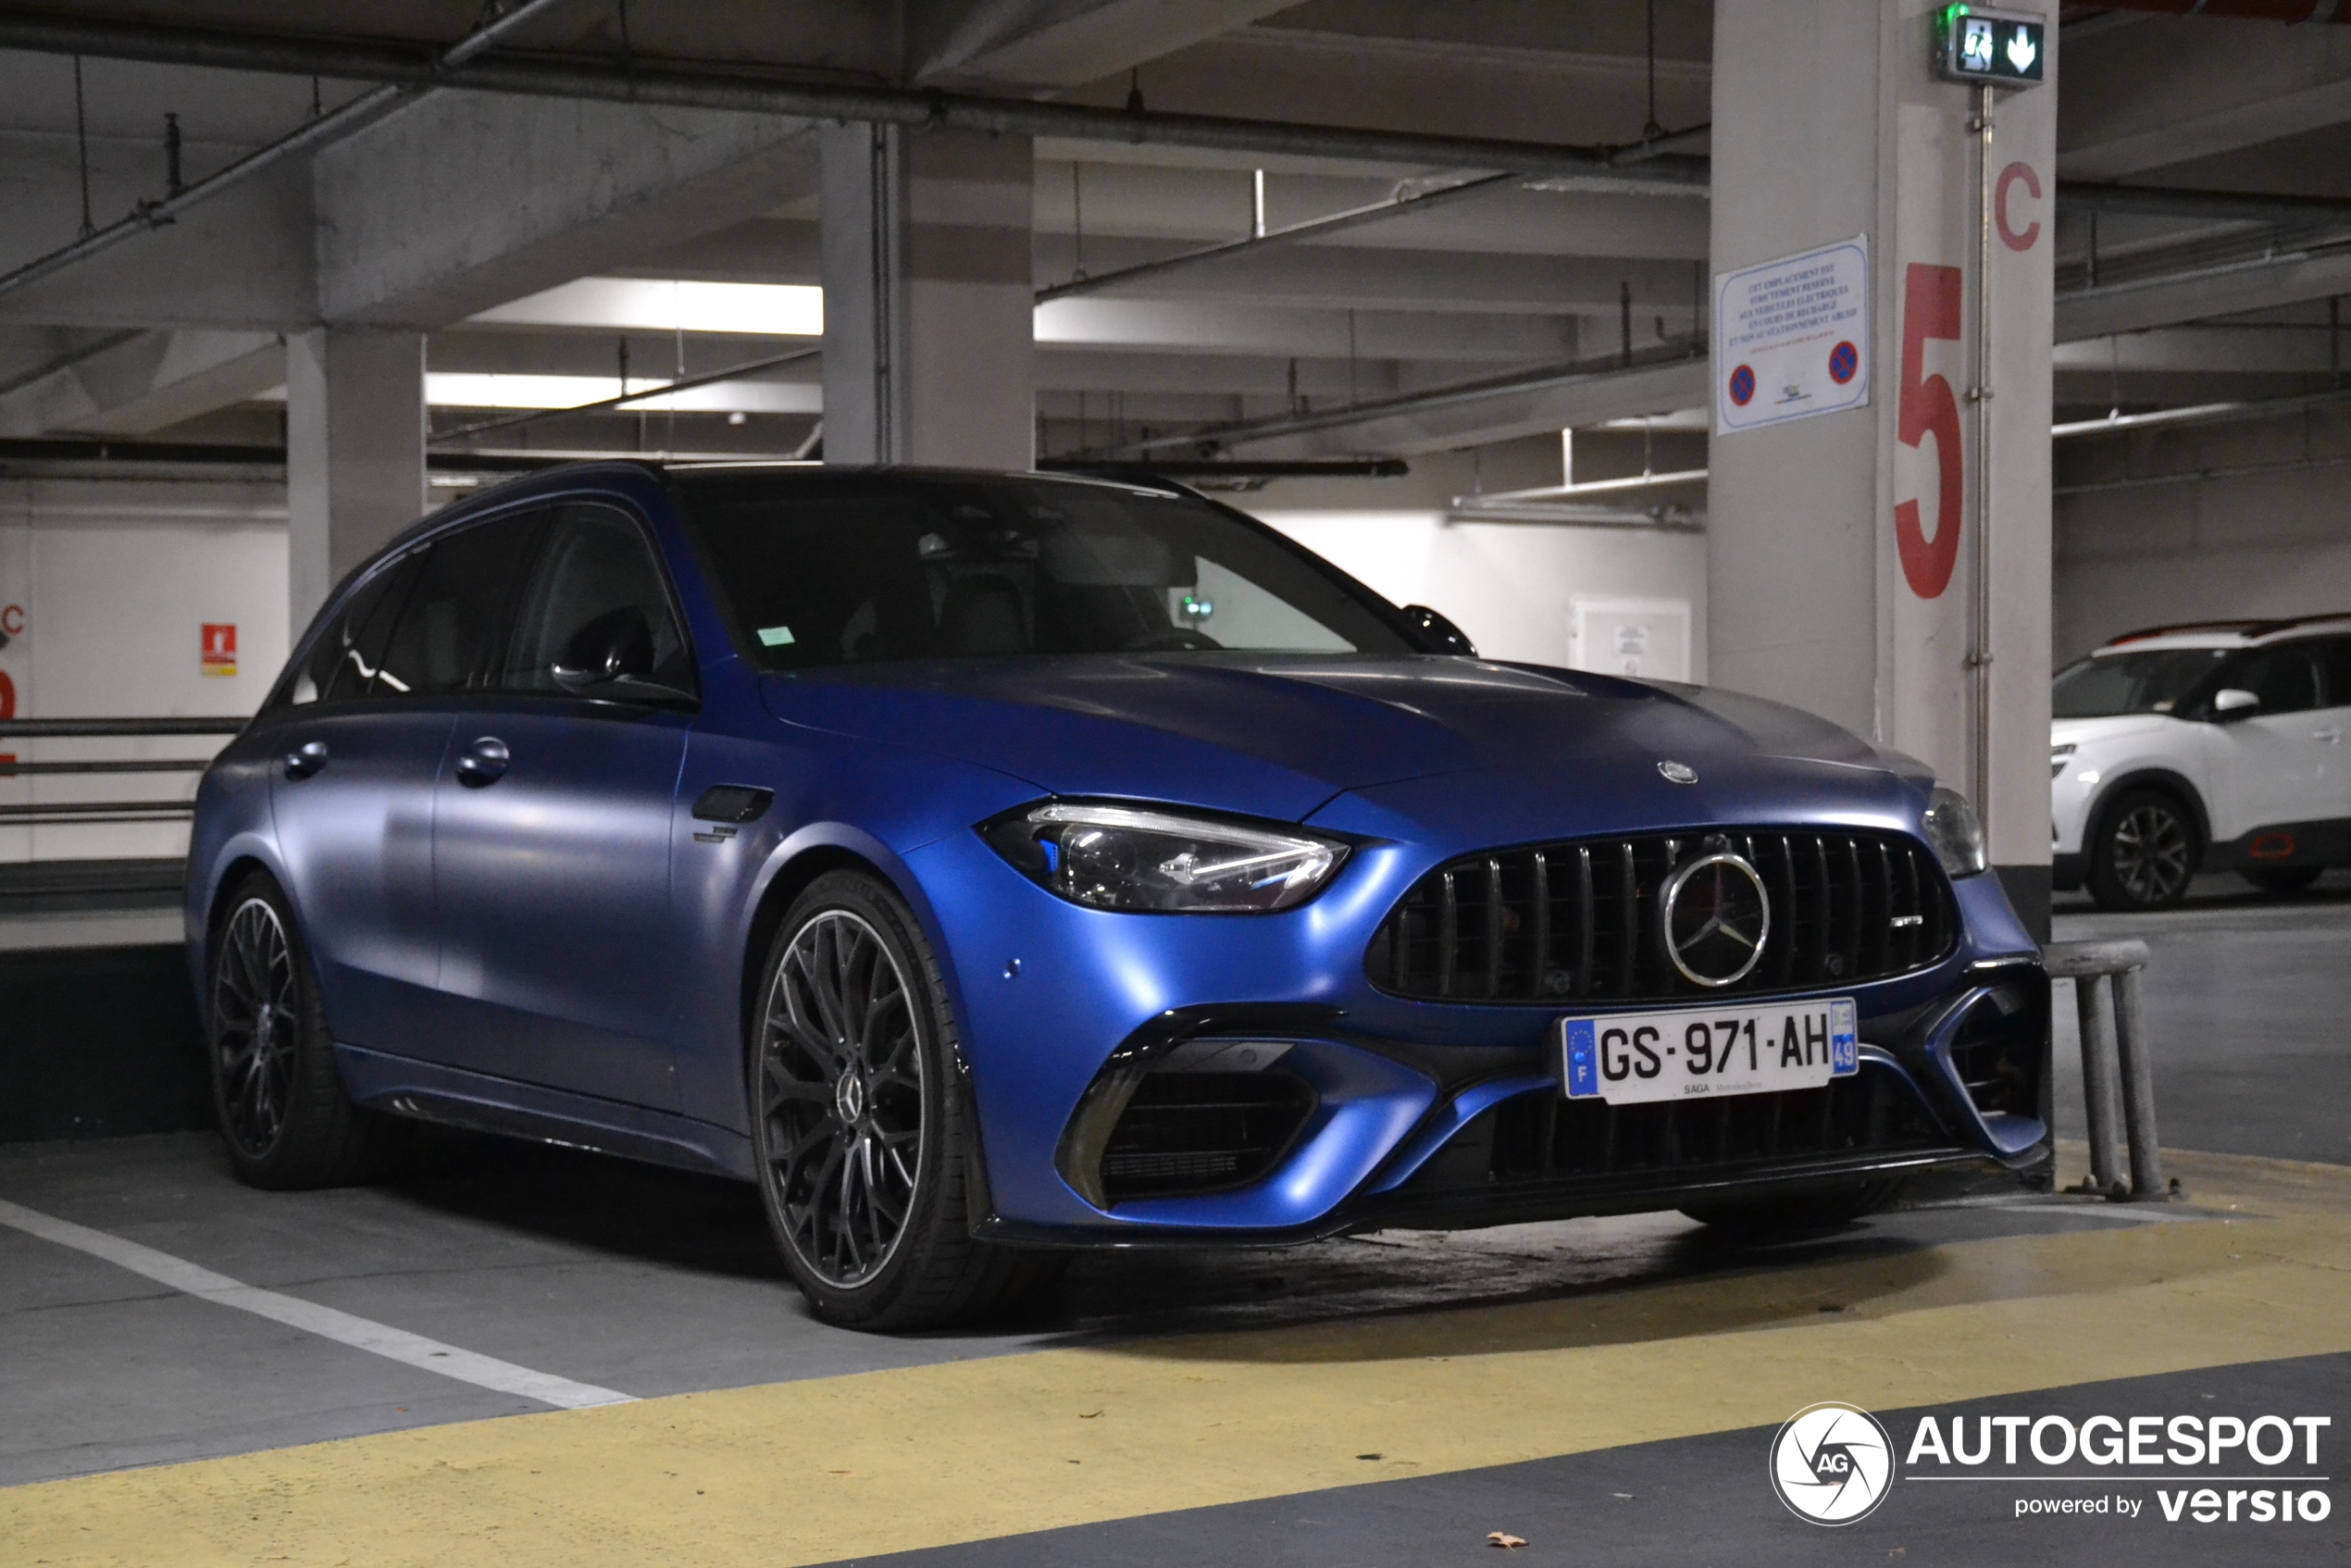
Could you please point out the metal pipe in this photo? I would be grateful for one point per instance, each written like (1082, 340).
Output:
(2138, 1086)
(2113, 1045)
(2097, 1079)
(2242, 470)
(1312, 228)
(333, 127)
(1980, 657)
(99, 810)
(625, 400)
(2247, 206)
(1544, 379)
(2288, 11)
(35, 728)
(32, 770)
(680, 86)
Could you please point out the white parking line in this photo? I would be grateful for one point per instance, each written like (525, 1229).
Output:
(395, 1344)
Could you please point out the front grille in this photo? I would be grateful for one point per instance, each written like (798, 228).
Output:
(1580, 921)
(1188, 1133)
(1538, 1137)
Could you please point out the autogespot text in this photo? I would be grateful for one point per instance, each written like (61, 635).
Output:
(2202, 1469)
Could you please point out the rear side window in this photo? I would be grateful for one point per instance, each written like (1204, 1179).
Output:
(596, 561)
(457, 607)
(2285, 678)
(343, 662)
(2334, 667)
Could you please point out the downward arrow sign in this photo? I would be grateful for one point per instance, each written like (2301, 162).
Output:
(2021, 50)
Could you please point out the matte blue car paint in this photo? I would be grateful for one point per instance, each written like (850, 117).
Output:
(561, 869)
(626, 979)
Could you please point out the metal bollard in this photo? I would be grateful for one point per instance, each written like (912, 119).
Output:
(2114, 1044)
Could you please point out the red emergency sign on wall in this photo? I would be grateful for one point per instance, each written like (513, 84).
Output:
(219, 648)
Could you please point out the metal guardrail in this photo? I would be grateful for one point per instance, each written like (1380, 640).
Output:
(53, 814)
(2114, 1045)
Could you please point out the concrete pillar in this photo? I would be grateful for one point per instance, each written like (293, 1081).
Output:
(354, 453)
(930, 352)
(1845, 547)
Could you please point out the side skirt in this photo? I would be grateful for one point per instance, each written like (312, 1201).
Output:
(428, 1091)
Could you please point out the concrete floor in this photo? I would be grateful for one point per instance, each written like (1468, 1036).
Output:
(1605, 1389)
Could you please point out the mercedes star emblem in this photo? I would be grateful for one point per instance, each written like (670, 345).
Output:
(1716, 916)
(1678, 772)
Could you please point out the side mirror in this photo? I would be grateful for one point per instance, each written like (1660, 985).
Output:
(1438, 634)
(613, 656)
(2232, 703)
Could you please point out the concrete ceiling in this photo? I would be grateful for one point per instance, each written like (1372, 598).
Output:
(413, 220)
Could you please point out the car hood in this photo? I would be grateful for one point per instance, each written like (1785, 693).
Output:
(1278, 736)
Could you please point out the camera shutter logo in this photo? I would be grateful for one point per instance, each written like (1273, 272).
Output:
(1831, 1464)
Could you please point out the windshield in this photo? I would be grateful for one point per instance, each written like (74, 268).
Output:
(2108, 684)
(866, 568)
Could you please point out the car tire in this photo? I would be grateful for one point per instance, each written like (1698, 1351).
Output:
(853, 1063)
(2280, 881)
(1762, 1217)
(284, 1116)
(2146, 852)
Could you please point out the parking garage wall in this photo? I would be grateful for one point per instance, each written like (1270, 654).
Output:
(106, 591)
(1519, 589)
(2264, 530)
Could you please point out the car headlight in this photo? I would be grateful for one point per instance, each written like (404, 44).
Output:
(2057, 755)
(1950, 825)
(1131, 858)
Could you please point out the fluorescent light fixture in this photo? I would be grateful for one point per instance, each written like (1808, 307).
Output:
(670, 305)
(469, 389)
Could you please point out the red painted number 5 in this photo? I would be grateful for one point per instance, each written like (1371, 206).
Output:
(1931, 297)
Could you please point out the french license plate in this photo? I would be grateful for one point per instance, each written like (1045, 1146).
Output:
(1692, 1053)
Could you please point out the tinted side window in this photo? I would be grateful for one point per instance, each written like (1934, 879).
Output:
(2334, 667)
(2285, 678)
(456, 608)
(596, 560)
(344, 660)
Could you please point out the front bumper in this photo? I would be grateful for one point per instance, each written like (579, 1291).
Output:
(1419, 1112)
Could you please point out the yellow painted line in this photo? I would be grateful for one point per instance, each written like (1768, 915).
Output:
(808, 1472)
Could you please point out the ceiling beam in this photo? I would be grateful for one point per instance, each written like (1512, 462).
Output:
(654, 82)
(1060, 43)
(144, 382)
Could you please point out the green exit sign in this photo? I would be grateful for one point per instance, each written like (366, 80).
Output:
(2003, 48)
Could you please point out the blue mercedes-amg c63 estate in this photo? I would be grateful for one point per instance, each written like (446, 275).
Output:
(989, 865)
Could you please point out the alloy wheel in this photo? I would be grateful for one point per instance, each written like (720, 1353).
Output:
(2150, 853)
(256, 1024)
(840, 1087)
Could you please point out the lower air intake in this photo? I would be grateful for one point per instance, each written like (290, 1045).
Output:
(1184, 1134)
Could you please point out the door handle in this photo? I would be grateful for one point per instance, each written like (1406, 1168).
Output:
(2329, 736)
(483, 763)
(306, 759)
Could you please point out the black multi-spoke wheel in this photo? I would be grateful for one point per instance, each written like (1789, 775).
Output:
(256, 1018)
(2147, 850)
(283, 1113)
(842, 1085)
(862, 1130)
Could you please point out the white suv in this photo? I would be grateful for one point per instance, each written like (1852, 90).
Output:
(2216, 747)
